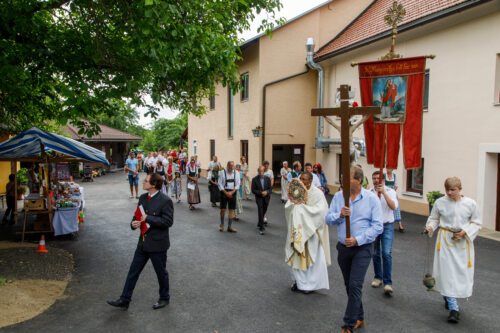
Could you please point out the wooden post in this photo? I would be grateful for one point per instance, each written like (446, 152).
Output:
(345, 112)
(13, 170)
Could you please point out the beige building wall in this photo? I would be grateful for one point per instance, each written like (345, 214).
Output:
(462, 115)
(214, 124)
(288, 103)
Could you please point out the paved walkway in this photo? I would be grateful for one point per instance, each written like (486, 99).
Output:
(239, 282)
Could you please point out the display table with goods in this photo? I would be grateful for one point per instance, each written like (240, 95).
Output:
(36, 205)
(69, 204)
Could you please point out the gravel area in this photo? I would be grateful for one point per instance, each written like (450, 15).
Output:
(25, 263)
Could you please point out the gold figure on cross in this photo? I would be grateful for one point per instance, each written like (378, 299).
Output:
(395, 15)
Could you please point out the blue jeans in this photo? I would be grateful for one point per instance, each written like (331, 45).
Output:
(452, 303)
(383, 266)
(133, 180)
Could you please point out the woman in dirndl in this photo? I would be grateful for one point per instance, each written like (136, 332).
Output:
(390, 181)
(245, 180)
(169, 175)
(285, 170)
(213, 184)
(193, 192)
(177, 183)
(160, 169)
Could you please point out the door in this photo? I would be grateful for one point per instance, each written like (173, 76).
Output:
(497, 227)
(244, 149)
(289, 153)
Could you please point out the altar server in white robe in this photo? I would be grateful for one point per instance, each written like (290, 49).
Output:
(308, 246)
(457, 218)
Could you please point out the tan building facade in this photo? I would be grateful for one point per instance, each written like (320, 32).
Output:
(461, 133)
(461, 116)
(281, 92)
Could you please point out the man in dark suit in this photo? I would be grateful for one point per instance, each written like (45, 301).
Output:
(261, 188)
(153, 241)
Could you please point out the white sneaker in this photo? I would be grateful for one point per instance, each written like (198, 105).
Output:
(376, 283)
(388, 289)
(265, 219)
(131, 197)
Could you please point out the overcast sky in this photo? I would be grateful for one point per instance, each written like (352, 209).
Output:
(291, 9)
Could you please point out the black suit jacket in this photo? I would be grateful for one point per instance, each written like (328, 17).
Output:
(257, 186)
(160, 217)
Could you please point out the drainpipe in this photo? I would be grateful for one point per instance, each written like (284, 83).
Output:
(264, 91)
(321, 141)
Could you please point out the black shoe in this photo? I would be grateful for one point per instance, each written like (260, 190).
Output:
(119, 303)
(294, 288)
(261, 231)
(160, 304)
(454, 317)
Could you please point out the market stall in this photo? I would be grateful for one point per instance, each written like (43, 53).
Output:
(59, 198)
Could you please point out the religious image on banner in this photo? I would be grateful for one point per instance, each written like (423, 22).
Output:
(389, 93)
(397, 87)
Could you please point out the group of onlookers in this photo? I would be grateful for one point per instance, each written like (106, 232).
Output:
(169, 165)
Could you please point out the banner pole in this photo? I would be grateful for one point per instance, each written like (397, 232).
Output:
(382, 162)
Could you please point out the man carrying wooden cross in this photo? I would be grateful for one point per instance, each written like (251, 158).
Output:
(356, 205)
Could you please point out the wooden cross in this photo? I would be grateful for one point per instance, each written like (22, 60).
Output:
(345, 112)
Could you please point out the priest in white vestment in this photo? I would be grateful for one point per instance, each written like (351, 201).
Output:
(457, 218)
(308, 245)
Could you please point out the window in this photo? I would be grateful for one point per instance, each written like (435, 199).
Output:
(212, 149)
(244, 149)
(496, 98)
(244, 86)
(426, 90)
(230, 113)
(212, 102)
(415, 180)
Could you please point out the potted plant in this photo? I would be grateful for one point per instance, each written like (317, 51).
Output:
(22, 183)
(21, 191)
(22, 176)
(432, 196)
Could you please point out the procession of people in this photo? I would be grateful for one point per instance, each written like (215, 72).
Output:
(373, 212)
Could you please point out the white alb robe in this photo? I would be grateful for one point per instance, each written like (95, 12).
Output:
(307, 246)
(454, 259)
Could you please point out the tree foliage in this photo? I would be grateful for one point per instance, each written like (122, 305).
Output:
(165, 134)
(122, 117)
(72, 59)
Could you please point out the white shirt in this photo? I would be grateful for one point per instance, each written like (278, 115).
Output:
(269, 173)
(387, 212)
(229, 185)
(152, 195)
(163, 160)
(152, 160)
(316, 182)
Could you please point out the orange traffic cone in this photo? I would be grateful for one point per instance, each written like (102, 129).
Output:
(41, 246)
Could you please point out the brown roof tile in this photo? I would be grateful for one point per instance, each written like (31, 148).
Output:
(371, 21)
(107, 134)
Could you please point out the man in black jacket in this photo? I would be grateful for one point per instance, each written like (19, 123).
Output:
(153, 241)
(261, 188)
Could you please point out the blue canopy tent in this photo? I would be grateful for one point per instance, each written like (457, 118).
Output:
(34, 143)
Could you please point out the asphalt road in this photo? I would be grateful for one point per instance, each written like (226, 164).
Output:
(239, 282)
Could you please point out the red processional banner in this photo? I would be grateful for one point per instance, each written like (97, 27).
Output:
(397, 86)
